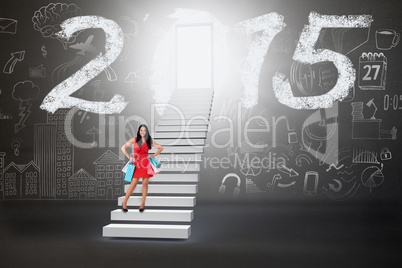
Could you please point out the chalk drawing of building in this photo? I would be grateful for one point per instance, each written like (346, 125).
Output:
(45, 158)
(21, 181)
(81, 185)
(64, 153)
(109, 175)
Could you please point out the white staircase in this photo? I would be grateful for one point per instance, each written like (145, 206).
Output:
(171, 193)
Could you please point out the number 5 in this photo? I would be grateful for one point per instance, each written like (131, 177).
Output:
(305, 53)
(60, 97)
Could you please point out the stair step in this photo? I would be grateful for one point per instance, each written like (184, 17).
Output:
(180, 128)
(181, 177)
(190, 96)
(198, 112)
(165, 188)
(179, 142)
(195, 111)
(178, 122)
(160, 201)
(188, 93)
(202, 102)
(178, 134)
(180, 167)
(190, 99)
(204, 116)
(147, 231)
(177, 158)
(211, 90)
(194, 90)
(183, 91)
(188, 107)
(152, 215)
(178, 149)
(189, 104)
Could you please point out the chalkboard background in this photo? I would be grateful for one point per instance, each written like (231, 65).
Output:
(362, 129)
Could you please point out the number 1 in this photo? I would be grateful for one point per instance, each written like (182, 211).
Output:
(270, 25)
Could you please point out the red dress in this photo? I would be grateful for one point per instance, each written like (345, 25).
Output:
(141, 161)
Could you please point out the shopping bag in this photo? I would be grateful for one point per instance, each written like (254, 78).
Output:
(156, 170)
(155, 165)
(151, 170)
(126, 166)
(129, 172)
(154, 162)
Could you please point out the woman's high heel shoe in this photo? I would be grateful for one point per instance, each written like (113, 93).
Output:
(124, 209)
(141, 209)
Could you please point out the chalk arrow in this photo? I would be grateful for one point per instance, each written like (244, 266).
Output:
(15, 57)
(286, 170)
(333, 188)
(272, 184)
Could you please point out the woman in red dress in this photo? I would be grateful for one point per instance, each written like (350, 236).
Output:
(141, 145)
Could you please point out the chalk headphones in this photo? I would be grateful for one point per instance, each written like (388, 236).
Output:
(236, 190)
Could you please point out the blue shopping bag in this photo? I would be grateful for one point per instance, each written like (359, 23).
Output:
(129, 172)
(154, 162)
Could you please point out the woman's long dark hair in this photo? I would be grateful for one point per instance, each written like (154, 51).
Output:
(148, 137)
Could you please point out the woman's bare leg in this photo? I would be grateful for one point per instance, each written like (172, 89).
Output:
(144, 191)
(130, 190)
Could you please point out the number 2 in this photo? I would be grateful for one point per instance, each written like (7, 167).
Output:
(60, 97)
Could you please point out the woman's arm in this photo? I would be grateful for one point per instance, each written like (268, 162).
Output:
(160, 148)
(126, 145)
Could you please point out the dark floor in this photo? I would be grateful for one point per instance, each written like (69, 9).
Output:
(69, 234)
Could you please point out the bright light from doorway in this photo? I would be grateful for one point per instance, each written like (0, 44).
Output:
(194, 56)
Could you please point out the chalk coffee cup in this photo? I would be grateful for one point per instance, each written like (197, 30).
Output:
(386, 39)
